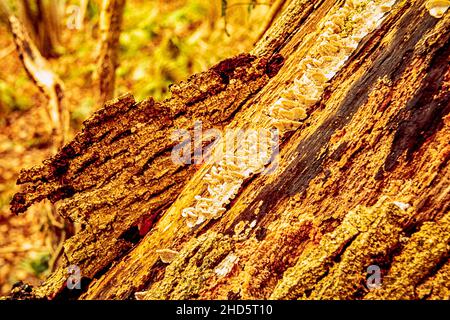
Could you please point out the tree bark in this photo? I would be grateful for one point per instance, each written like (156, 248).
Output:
(362, 182)
(275, 10)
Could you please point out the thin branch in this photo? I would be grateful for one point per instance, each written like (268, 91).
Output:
(110, 24)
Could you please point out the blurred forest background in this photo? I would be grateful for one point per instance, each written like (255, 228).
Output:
(161, 42)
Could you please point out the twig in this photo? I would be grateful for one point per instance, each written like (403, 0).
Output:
(6, 52)
(57, 252)
(51, 214)
(82, 14)
(48, 82)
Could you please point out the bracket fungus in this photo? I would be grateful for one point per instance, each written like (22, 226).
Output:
(225, 178)
(339, 38)
(167, 255)
(334, 46)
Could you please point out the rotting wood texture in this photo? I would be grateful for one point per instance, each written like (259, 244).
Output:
(127, 146)
(364, 181)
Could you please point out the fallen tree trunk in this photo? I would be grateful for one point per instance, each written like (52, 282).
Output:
(362, 182)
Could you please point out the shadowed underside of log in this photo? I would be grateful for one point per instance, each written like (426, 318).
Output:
(335, 205)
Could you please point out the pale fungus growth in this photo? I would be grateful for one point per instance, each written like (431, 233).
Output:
(140, 295)
(225, 178)
(167, 255)
(340, 36)
(226, 265)
(284, 125)
(402, 205)
(437, 8)
(333, 48)
(387, 6)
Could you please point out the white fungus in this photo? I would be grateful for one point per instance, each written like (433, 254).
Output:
(226, 265)
(340, 37)
(326, 59)
(167, 255)
(437, 8)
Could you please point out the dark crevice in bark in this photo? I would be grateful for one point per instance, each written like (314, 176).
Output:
(423, 115)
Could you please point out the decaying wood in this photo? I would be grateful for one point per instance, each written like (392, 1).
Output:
(110, 24)
(126, 147)
(48, 82)
(364, 181)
